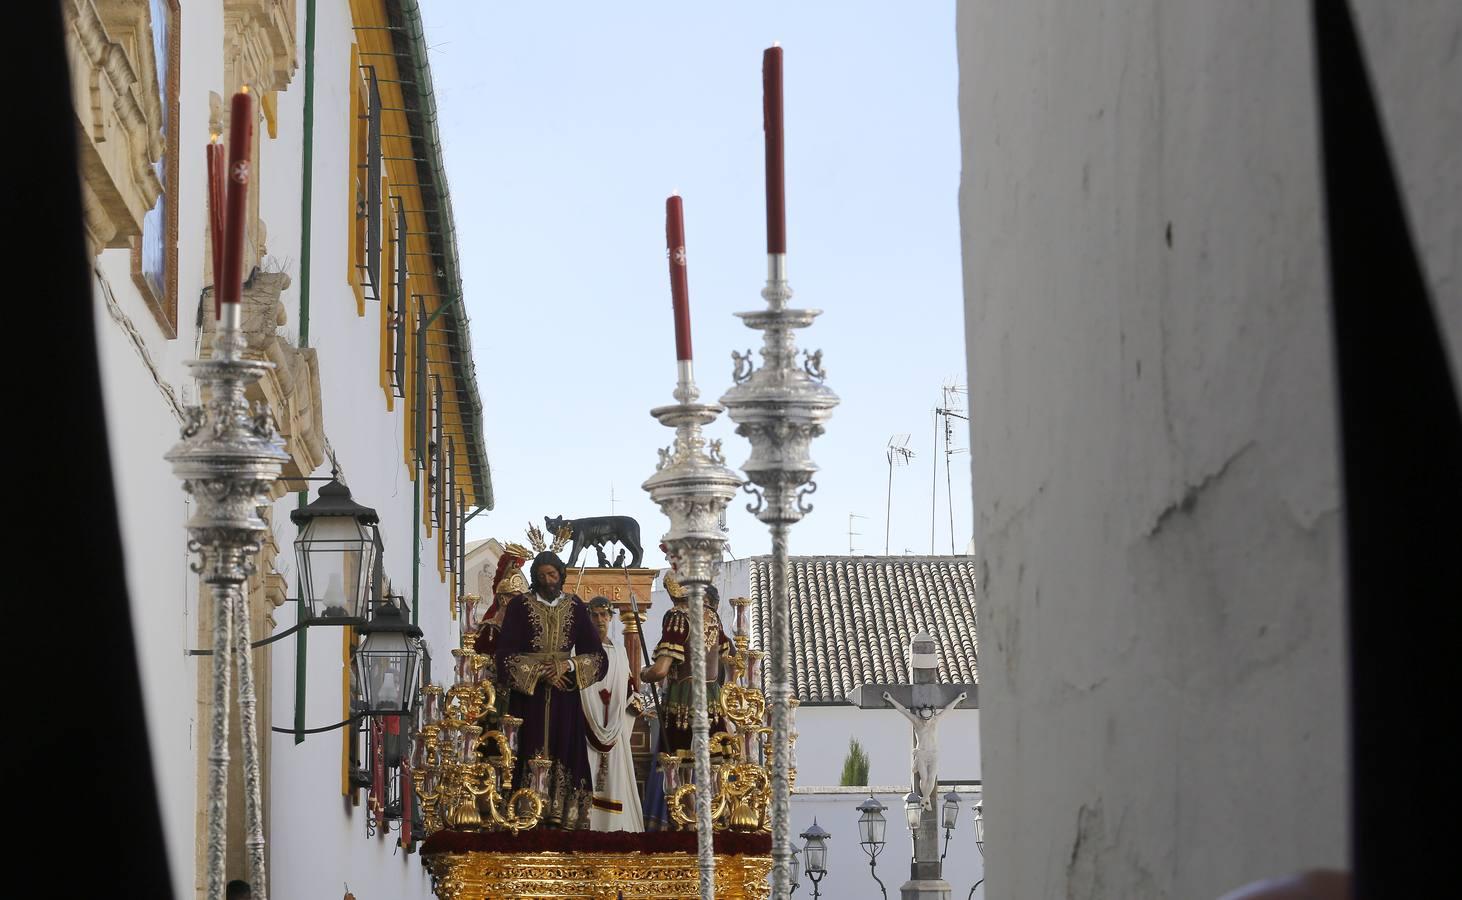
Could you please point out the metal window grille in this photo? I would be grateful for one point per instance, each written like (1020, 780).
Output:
(449, 492)
(422, 410)
(373, 186)
(461, 544)
(400, 303)
(438, 459)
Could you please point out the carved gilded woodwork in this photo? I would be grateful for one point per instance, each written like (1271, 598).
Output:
(592, 876)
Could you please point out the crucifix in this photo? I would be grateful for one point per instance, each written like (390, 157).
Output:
(923, 703)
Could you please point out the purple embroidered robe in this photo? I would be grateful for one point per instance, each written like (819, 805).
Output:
(533, 636)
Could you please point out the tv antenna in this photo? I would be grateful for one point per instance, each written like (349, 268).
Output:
(897, 453)
(949, 408)
(851, 532)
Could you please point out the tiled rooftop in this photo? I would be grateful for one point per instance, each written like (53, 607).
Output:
(854, 616)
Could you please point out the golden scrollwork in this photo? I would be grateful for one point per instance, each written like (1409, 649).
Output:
(593, 876)
(461, 788)
(744, 707)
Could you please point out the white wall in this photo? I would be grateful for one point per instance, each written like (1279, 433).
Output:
(318, 841)
(884, 734)
(1153, 437)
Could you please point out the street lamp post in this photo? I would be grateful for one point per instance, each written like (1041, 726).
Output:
(814, 855)
(871, 826)
(979, 840)
(337, 549)
(950, 816)
(388, 659)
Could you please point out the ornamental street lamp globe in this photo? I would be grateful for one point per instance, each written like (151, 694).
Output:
(814, 853)
(913, 806)
(388, 661)
(951, 809)
(871, 826)
(337, 550)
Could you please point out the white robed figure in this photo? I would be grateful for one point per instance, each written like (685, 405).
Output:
(610, 719)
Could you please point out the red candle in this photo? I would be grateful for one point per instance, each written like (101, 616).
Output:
(240, 141)
(216, 195)
(771, 84)
(679, 285)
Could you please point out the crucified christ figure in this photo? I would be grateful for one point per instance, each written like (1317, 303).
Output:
(925, 721)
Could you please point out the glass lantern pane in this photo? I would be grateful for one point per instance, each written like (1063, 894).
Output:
(336, 556)
(388, 666)
(816, 857)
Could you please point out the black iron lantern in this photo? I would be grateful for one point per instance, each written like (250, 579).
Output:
(387, 660)
(980, 826)
(913, 809)
(871, 826)
(814, 853)
(951, 809)
(337, 549)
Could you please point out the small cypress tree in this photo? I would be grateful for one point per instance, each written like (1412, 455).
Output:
(855, 766)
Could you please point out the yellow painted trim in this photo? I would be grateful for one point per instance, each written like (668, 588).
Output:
(374, 37)
(269, 103)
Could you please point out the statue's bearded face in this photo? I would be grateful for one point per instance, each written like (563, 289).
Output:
(546, 576)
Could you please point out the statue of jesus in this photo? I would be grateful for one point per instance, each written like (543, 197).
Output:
(548, 651)
(925, 721)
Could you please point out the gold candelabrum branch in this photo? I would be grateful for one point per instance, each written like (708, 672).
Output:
(740, 773)
(466, 753)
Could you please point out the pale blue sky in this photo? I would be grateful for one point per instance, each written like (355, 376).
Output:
(565, 127)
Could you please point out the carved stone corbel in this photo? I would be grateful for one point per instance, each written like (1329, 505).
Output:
(115, 97)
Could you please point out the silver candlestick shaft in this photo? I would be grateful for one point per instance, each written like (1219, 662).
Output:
(779, 407)
(693, 486)
(228, 459)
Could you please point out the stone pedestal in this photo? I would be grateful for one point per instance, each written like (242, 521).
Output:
(926, 876)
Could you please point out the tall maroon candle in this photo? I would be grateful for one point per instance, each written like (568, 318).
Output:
(679, 284)
(240, 142)
(216, 194)
(771, 85)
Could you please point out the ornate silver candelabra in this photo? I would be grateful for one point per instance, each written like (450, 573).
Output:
(779, 407)
(693, 486)
(229, 458)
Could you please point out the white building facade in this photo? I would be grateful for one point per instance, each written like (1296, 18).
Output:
(354, 296)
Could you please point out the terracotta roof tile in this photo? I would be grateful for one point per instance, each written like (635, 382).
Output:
(852, 618)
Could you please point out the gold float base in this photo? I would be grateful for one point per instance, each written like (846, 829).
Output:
(479, 875)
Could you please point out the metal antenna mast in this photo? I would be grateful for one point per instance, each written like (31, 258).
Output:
(948, 410)
(897, 452)
(852, 533)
